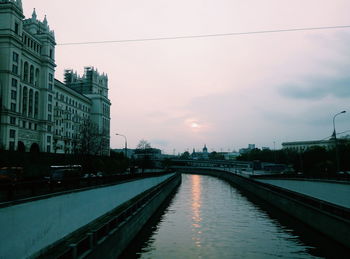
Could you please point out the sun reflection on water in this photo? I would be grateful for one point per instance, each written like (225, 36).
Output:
(196, 209)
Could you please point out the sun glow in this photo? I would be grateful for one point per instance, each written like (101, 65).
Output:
(194, 125)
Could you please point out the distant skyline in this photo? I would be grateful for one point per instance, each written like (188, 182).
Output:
(225, 92)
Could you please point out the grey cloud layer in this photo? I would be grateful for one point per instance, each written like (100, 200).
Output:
(317, 88)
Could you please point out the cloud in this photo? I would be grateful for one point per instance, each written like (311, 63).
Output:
(159, 143)
(317, 88)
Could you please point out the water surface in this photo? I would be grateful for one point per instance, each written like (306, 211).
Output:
(208, 218)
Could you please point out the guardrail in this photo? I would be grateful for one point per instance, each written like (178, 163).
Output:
(81, 247)
(21, 190)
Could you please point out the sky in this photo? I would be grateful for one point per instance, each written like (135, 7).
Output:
(225, 92)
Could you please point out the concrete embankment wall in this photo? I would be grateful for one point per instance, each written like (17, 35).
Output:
(28, 229)
(333, 222)
(117, 240)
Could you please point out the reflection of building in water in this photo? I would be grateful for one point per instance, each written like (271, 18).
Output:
(196, 209)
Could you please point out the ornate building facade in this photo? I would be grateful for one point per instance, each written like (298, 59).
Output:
(37, 112)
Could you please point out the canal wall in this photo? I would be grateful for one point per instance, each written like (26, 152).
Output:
(329, 219)
(41, 226)
(142, 210)
(109, 235)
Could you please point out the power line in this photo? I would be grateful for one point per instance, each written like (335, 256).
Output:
(206, 35)
(327, 138)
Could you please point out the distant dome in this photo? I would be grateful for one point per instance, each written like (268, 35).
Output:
(205, 149)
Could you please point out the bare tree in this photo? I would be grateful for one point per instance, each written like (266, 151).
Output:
(90, 141)
(143, 144)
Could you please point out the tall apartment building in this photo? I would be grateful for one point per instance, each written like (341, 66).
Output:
(37, 112)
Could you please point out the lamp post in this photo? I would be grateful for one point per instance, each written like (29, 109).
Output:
(126, 143)
(335, 140)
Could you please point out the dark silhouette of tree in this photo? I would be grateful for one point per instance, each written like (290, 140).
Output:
(90, 140)
(216, 156)
(143, 144)
(185, 155)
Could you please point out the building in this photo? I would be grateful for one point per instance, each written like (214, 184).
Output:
(129, 152)
(37, 112)
(301, 146)
(231, 155)
(247, 150)
(200, 155)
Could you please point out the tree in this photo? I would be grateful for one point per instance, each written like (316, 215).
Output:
(143, 144)
(185, 155)
(90, 141)
(143, 154)
(216, 156)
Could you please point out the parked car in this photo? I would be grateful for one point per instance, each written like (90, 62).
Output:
(57, 174)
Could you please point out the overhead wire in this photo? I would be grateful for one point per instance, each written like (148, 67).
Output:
(205, 35)
(339, 133)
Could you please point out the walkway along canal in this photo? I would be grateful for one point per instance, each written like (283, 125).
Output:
(208, 218)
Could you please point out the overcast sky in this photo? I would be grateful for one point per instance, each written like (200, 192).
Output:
(225, 92)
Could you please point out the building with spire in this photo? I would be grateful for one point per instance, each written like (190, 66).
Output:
(37, 112)
(200, 155)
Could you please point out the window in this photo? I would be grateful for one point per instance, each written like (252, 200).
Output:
(49, 129)
(30, 108)
(49, 107)
(24, 102)
(13, 107)
(35, 126)
(50, 98)
(48, 139)
(50, 86)
(51, 53)
(37, 74)
(14, 82)
(48, 149)
(13, 120)
(15, 57)
(25, 71)
(15, 69)
(50, 77)
(49, 117)
(13, 94)
(36, 104)
(12, 133)
(16, 28)
(30, 125)
(31, 75)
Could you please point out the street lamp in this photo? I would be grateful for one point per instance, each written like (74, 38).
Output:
(126, 143)
(335, 140)
(334, 132)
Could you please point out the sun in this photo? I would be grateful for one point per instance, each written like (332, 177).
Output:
(194, 125)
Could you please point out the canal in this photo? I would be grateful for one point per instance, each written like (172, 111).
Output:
(208, 218)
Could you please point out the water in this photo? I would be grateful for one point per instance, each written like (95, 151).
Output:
(208, 218)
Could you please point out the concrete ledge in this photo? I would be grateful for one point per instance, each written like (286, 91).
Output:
(313, 212)
(111, 234)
